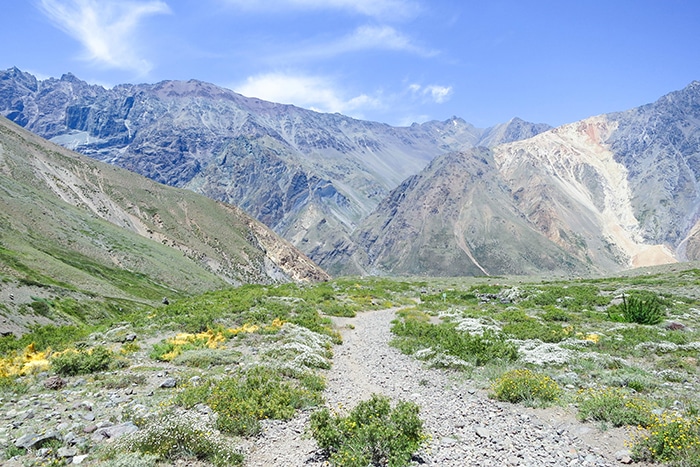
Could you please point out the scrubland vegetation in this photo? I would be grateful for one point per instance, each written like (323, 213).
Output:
(620, 351)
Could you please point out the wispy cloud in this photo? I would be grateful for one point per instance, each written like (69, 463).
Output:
(105, 28)
(433, 92)
(381, 9)
(312, 92)
(366, 38)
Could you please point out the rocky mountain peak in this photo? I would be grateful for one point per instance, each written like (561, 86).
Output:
(71, 78)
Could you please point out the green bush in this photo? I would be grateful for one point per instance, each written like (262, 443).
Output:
(526, 386)
(12, 451)
(514, 316)
(414, 334)
(533, 329)
(614, 406)
(552, 313)
(193, 394)
(641, 308)
(259, 393)
(73, 362)
(372, 434)
(41, 306)
(440, 300)
(12, 385)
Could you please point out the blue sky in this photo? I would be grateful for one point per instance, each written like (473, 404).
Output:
(393, 61)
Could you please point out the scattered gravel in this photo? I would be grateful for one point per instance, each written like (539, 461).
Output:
(466, 427)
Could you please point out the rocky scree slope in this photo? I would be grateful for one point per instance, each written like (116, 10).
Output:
(603, 194)
(311, 177)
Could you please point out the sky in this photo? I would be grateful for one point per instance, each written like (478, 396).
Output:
(392, 61)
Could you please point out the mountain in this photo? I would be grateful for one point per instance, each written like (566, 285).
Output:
(312, 177)
(607, 193)
(70, 221)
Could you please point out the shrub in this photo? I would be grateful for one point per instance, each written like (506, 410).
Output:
(27, 362)
(252, 304)
(526, 386)
(533, 329)
(193, 394)
(615, 406)
(173, 435)
(257, 394)
(413, 335)
(169, 349)
(205, 358)
(552, 313)
(372, 434)
(73, 362)
(12, 451)
(41, 306)
(44, 337)
(672, 439)
(12, 385)
(640, 308)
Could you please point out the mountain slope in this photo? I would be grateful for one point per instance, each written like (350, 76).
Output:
(312, 177)
(456, 218)
(603, 194)
(69, 220)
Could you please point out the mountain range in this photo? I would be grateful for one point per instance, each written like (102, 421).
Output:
(311, 177)
(439, 198)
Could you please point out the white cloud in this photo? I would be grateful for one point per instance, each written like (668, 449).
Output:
(363, 38)
(439, 94)
(311, 92)
(384, 9)
(380, 37)
(433, 92)
(105, 28)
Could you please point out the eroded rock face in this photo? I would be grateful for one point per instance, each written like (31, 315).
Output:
(603, 194)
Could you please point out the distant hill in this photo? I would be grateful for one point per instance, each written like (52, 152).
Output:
(311, 177)
(70, 221)
(607, 193)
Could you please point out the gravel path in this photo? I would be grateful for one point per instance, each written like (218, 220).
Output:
(466, 427)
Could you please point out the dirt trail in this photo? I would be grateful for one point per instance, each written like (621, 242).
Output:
(466, 427)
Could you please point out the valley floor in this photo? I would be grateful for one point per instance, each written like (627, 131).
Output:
(466, 428)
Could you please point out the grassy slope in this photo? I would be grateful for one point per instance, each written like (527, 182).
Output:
(67, 219)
